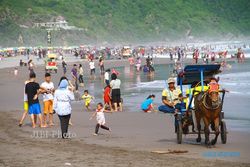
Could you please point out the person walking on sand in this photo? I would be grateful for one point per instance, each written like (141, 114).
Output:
(25, 105)
(92, 67)
(71, 88)
(32, 89)
(101, 64)
(115, 85)
(100, 118)
(64, 66)
(74, 76)
(62, 105)
(48, 86)
(81, 82)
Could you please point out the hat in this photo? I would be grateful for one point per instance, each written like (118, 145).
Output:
(171, 80)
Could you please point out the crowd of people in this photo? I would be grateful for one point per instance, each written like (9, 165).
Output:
(58, 99)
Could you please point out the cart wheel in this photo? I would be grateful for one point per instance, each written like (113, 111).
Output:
(179, 132)
(223, 132)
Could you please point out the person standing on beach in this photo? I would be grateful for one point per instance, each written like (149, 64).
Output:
(25, 105)
(48, 86)
(64, 66)
(74, 76)
(106, 76)
(101, 64)
(92, 67)
(107, 97)
(81, 82)
(62, 98)
(116, 92)
(100, 118)
(31, 66)
(32, 89)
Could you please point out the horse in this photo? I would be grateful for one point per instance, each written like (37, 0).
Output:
(208, 106)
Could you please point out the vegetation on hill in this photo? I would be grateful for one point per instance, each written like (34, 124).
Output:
(123, 20)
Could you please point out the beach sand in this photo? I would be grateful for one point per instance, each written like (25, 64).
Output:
(133, 138)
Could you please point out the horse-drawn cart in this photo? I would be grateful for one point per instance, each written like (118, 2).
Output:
(198, 76)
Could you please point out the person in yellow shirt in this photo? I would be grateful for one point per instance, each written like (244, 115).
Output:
(87, 98)
(171, 98)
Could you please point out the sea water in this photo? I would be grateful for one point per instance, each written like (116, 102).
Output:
(136, 86)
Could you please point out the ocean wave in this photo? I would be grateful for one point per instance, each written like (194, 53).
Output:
(156, 84)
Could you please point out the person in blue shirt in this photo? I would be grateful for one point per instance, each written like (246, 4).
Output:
(147, 105)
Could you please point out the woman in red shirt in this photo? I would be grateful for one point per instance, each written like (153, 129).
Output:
(107, 97)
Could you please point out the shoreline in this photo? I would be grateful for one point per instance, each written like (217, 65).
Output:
(134, 135)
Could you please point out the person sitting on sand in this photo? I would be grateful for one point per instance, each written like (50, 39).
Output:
(87, 98)
(147, 105)
(33, 89)
(100, 118)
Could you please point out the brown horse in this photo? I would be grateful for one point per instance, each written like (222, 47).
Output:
(208, 107)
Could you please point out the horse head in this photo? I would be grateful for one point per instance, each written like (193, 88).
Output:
(214, 99)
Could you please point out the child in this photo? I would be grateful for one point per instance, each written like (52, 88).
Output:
(99, 113)
(106, 97)
(87, 98)
(15, 71)
(147, 105)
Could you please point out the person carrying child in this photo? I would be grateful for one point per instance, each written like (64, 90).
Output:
(147, 105)
(87, 98)
(100, 118)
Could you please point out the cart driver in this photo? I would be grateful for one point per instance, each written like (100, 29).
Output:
(171, 98)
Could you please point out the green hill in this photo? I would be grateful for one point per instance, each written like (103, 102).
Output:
(123, 20)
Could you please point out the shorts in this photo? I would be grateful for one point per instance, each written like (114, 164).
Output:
(34, 109)
(48, 107)
(26, 106)
(116, 95)
(148, 109)
(87, 102)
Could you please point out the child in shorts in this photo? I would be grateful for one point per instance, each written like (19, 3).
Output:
(87, 98)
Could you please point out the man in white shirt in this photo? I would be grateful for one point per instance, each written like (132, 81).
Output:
(92, 67)
(48, 97)
(106, 76)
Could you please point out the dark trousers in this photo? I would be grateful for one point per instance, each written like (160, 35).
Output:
(92, 71)
(76, 84)
(64, 121)
(102, 126)
(80, 79)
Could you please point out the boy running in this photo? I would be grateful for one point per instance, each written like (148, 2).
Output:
(87, 98)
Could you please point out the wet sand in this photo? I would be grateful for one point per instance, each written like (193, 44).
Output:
(134, 135)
